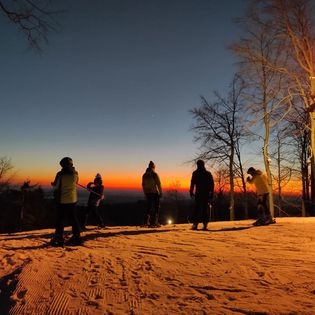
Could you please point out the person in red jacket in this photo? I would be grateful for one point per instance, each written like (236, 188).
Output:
(201, 189)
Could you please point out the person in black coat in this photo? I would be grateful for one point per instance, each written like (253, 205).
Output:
(201, 189)
(96, 189)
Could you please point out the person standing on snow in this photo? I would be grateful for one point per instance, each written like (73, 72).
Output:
(66, 198)
(201, 188)
(259, 179)
(152, 189)
(96, 189)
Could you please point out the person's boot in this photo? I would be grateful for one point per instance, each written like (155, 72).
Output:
(146, 221)
(101, 223)
(156, 221)
(194, 226)
(74, 241)
(269, 220)
(57, 241)
(84, 227)
(259, 222)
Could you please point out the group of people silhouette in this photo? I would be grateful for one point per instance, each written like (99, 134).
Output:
(201, 190)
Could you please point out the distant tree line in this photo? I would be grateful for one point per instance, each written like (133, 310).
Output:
(28, 207)
(271, 101)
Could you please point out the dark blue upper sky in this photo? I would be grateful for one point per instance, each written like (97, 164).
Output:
(113, 88)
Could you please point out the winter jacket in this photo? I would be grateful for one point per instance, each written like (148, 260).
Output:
(202, 182)
(65, 185)
(151, 183)
(259, 179)
(96, 194)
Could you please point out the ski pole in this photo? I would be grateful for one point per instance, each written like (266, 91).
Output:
(90, 190)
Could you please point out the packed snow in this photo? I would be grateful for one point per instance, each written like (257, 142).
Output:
(233, 268)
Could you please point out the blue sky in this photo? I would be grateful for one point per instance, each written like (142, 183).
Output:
(113, 88)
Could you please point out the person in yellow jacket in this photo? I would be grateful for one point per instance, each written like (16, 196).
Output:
(152, 189)
(66, 200)
(259, 179)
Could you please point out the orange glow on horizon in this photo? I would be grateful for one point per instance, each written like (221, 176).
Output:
(132, 181)
(115, 182)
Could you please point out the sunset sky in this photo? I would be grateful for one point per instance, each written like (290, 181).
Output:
(113, 88)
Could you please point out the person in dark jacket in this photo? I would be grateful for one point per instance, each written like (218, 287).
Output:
(96, 189)
(66, 199)
(152, 189)
(201, 189)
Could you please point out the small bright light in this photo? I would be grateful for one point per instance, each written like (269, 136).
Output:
(169, 221)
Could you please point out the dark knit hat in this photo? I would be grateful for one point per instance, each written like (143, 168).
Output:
(66, 162)
(251, 171)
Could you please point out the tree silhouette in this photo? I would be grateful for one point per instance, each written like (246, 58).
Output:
(35, 19)
(220, 129)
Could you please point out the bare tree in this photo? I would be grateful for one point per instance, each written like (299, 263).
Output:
(295, 22)
(35, 19)
(222, 178)
(284, 165)
(6, 167)
(258, 52)
(300, 133)
(219, 128)
(239, 172)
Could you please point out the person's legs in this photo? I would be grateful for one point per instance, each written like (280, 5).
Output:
(60, 221)
(98, 216)
(261, 205)
(150, 203)
(156, 208)
(197, 213)
(85, 217)
(205, 212)
(58, 240)
(72, 211)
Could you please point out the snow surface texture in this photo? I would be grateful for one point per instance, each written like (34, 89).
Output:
(234, 268)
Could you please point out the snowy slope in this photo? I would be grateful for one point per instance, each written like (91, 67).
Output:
(233, 268)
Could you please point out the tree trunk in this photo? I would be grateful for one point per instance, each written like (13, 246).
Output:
(232, 195)
(267, 165)
(312, 114)
(279, 185)
(269, 177)
(304, 186)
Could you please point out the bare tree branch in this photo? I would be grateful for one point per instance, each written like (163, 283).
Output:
(34, 19)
